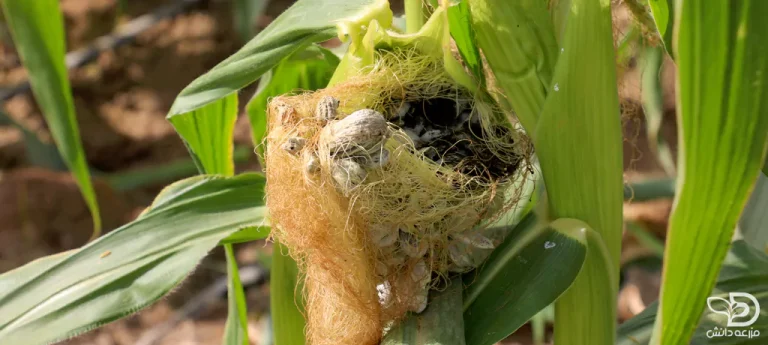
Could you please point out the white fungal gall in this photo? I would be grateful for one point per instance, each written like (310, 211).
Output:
(311, 163)
(383, 235)
(381, 269)
(284, 111)
(360, 131)
(476, 240)
(413, 136)
(432, 134)
(419, 301)
(411, 246)
(459, 255)
(294, 144)
(378, 159)
(326, 108)
(384, 291)
(348, 174)
(420, 274)
(403, 109)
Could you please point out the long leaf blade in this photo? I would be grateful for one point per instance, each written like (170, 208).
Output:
(286, 300)
(58, 297)
(460, 24)
(304, 23)
(208, 132)
(663, 12)
(518, 41)
(308, 69)
(529, 271)
(578, 141)
(38, 30)
(722, 56)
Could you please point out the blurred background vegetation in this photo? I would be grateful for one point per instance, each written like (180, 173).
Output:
(129, 60)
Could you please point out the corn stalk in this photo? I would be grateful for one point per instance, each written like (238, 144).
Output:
(567, 90)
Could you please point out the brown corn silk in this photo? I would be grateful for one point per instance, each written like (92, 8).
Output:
(327, 229)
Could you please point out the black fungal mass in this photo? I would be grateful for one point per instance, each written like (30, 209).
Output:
(443, 129)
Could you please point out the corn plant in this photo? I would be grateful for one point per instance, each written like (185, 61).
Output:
(437, 183)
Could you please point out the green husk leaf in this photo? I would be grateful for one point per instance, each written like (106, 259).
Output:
(460, 23)
(527, 272)
(518, 41)
(582, 172)
(433, 39)
(442, 323)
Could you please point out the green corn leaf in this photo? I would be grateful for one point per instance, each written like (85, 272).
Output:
(518, 41)
(208, 131)
(650, 190)
(583, 172)
(526, 273)
(252, 233)
(286, 300)
(61, 296)
(722, 58)
(246, 13)
(306, 70)
(37, 153)
(653, 107)
(753, 224)
(663, 12)
(37, 29)
(236, 327)
(304, 23)
(415, 15)
(745, 269)
(460, 23)
(165, 173)
(442, 323)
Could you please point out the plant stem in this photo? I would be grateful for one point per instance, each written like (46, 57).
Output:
(414, 15)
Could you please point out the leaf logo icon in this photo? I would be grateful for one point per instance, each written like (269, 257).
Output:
(734, 309)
